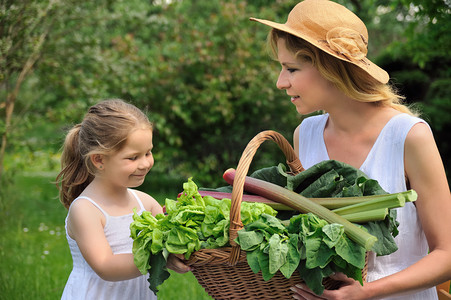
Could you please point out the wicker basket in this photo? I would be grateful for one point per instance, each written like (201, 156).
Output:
(224, 272)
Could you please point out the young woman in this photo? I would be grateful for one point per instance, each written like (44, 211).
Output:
(322, 51)
(104, 157)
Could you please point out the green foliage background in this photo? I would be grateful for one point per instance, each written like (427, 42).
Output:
(200, 69)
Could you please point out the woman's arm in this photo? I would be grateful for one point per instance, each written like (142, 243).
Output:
(426, 175)
(296, 140)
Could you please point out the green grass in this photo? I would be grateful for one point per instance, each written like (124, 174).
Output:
(35, 261)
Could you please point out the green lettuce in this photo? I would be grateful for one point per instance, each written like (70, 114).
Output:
(191, 222)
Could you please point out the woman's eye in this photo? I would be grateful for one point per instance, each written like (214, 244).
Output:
(291, 70)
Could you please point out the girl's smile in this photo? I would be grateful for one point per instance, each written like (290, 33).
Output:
(130, 165)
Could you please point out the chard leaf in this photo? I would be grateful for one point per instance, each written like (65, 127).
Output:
(318, 253)
(249, 240)
(339, 262)
(350, 252)
(314, 277)
(277, 253)
(253, 260)
(333, 233)
(385, 243)
(293, 256)
(338, 173)
(158, 273)
(327, 184)
(271, 174)
(263, 261)
(262, 225)
(274, 223)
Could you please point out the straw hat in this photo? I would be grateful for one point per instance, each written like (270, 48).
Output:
(332, 28)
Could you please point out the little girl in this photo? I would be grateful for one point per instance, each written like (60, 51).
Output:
(105, 156)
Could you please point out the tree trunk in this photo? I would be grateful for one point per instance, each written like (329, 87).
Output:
(12, 96)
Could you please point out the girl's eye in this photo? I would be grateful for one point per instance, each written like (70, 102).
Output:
(133, 158)
(149, 153)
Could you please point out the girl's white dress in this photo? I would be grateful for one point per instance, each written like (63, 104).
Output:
(384, 163)
(84, 283)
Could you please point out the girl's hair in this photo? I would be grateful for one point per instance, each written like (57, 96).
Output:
(104, 130)
(349, 78)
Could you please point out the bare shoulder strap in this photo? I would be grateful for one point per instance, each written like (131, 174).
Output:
(94, 203)
(137, 199)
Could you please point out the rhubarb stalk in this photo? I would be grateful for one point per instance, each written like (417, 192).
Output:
(302, 204)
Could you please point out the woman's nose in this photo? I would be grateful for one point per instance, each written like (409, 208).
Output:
(282, 82)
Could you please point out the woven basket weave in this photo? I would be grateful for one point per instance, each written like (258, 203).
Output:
(224, 272)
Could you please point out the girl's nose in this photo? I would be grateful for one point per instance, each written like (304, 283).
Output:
(282, 82)
(146, 163)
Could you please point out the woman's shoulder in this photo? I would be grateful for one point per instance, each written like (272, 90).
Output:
(419, 133)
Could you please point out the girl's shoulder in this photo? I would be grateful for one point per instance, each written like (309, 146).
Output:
(149, 203)
(84, 205)
(84, 215)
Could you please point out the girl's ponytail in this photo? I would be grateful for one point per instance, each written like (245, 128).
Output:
(74, 175)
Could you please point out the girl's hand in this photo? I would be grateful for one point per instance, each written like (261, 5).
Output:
(349, 290)
(175, 263)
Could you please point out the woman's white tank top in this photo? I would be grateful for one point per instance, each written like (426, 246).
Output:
(384, 163)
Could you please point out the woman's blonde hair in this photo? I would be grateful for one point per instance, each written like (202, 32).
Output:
(104, 130)
(350, 79)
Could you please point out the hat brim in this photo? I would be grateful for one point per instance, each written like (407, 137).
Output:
(368, 66)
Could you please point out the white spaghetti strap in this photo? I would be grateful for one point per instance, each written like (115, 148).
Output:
(93, 202)
(137, 199)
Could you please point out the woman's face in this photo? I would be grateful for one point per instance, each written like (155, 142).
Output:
(309, 91)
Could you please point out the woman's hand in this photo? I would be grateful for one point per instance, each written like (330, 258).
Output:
(349, 290)
(175, 263)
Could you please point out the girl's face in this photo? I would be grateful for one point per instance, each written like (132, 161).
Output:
(309, 91)
(128, 167)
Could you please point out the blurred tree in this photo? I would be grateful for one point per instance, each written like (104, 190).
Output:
(24, 26)
(214, 86)
(200, 68)
(419, 62)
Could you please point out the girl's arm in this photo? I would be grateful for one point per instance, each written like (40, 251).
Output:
(150, 204)
(85, 226)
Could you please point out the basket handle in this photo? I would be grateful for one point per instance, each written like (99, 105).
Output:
(240, 175)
